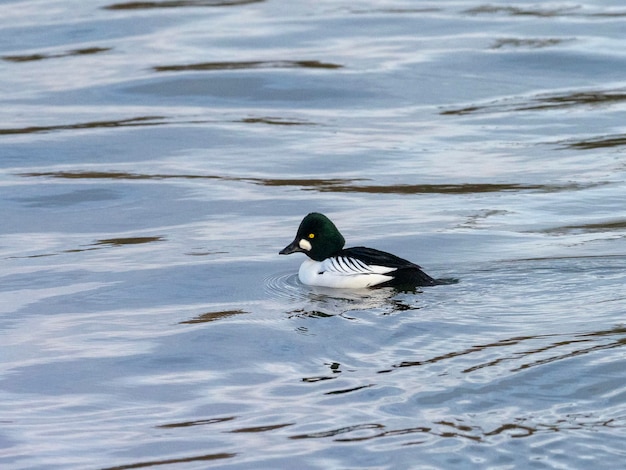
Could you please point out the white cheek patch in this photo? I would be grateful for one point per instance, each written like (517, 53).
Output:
(305, 245)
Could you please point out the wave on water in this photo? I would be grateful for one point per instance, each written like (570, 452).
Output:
(285, 286)
(325, 302)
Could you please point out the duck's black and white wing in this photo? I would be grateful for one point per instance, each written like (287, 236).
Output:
(399, 272)
(346, 271)
(351, 266)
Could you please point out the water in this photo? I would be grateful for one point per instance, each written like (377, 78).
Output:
(156, 156)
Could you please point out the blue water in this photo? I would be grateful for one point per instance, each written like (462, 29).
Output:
(156, 156)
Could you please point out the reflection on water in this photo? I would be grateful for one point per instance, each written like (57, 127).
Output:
(155, 154)
(263, 428)
(335, 185)
(451, 188)
(212, 316)
(330, 304)
(177, 4)
(597, 143)
(522, 428)
(546, 12)
(541, 12)
(546, 102)
(609, 226)
(98, 244)
(321, 302)
(554, 344)
(73, 52)
(276, 64)
(152, 463)
(276, 121)
(529, 43)
(128, 241)
(200, 422)
(132, 122)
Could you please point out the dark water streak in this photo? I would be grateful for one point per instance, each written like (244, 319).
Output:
(336, 185)
(44, 56)
(178, 4)
(155, 463)
(130, 122)
(545, 102)
(247, 65)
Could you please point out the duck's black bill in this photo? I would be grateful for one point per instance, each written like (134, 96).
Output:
(293, 247)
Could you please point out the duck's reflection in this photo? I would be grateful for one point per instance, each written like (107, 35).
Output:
(321, 302)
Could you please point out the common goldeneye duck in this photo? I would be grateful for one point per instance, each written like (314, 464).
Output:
(330, 265)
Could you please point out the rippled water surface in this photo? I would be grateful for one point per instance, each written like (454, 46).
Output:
(156, 156)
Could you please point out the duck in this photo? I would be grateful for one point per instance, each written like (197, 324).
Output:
(329, 264)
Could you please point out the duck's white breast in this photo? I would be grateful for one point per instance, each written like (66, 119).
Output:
(342, 272)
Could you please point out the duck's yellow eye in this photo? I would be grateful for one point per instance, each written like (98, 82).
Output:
(311, 235)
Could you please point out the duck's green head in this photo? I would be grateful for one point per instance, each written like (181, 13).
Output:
(317, 237)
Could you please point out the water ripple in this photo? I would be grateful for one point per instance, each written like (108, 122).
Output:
(152, 152)
(320, 302)
(177, 4)
(130, 122)
(285, 286)
(519, 11)
(194, 458)
(545, 102)
(247, 65)
(43, 56)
